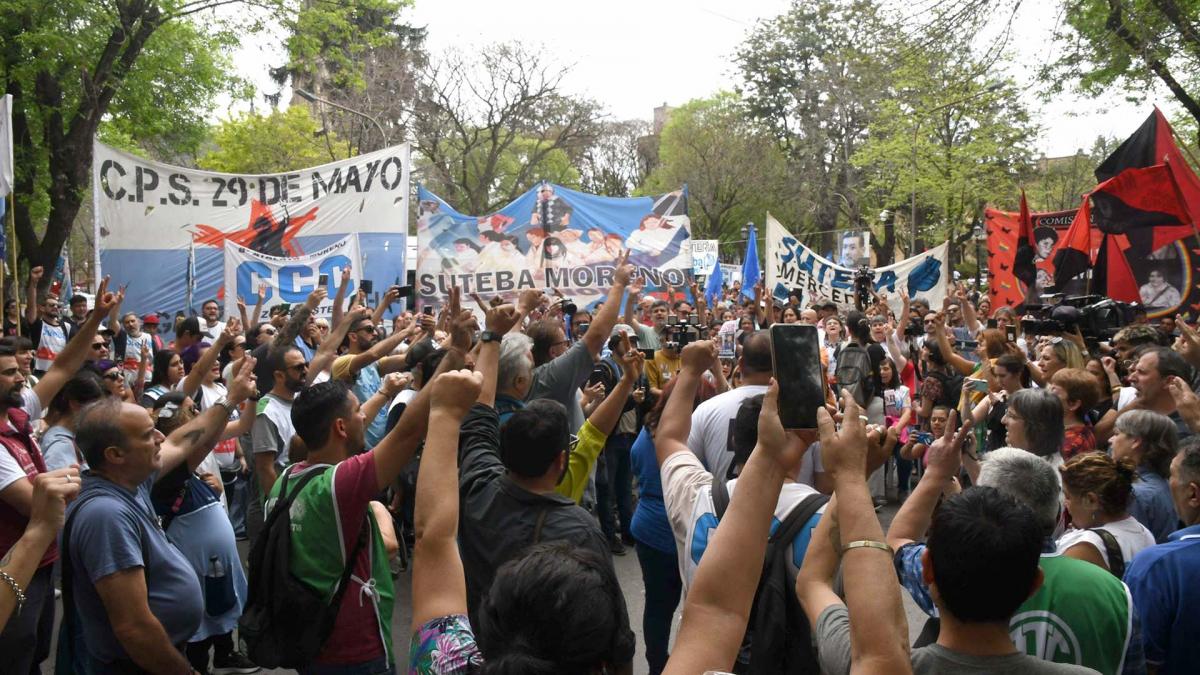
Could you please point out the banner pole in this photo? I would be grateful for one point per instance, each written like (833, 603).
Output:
(11, 228)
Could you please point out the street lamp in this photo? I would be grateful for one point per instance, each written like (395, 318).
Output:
(312, 98)
(980, 236)
(996, 86)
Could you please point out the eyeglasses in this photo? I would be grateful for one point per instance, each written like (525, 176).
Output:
(99, 345)
(115, 377)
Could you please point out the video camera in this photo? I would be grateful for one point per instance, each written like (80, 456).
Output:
(681, 334)
(864, 282)
(1096, 317)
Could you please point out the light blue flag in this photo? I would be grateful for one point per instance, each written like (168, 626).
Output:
(712, 289)
(750, 272)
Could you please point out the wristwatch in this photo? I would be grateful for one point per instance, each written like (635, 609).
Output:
(224, 403)
(490, 336)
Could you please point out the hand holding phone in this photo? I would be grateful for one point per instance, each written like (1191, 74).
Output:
(797, 368)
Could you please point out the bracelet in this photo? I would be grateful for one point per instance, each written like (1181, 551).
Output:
(868, 543)
(16, 590)
(1115, 389)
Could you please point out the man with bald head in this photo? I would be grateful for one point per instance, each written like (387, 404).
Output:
(138, 597)
(709, 437)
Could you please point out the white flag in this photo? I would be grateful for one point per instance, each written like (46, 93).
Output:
(6, 156)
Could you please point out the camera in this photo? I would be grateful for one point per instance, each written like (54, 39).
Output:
(681, 333)
(1096, 317)
(864, 280)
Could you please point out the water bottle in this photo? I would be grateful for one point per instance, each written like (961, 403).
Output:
(219, 596)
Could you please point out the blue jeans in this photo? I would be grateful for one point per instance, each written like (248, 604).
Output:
(614, 486)
(379, 666)
(904, 469)
(660, 574)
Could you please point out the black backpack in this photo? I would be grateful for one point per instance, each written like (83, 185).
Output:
(285, 621)
(952, 385)
(778, 636)
(854, 372)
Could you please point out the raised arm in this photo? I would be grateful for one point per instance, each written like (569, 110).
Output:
(258, 304)
(970, 319)
(439, 585)
(636, 286)
(327, 350)
(245, 316)
(606, 318)
(608, 413)
(192, 441)
(944, 461)
(953, 358)
(718, 603)
(878, 628)
(339, 300)
(814, 583)
(676, 421)
(300, 315)
(191, 383)
(71, 358)
(499, 320)
(114, 314)
(31, 294)
(50, 493)
(391, 296)
(398, 447)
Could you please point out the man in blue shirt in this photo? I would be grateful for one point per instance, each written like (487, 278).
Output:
(1163, 578)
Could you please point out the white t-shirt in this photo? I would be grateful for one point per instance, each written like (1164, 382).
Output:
(1126, 397)
(687, 492)
(895, 401)
(1131, 536)
(225, 451)
(10, 470)
(53, 341)
(711, 422)
(211, 334)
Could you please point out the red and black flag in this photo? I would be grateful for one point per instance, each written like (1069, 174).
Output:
(1024, 268)
(1074, 252)
(1156, 197)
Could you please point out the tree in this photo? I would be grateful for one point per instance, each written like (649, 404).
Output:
(150, 69)
(948, 134)
(359, 55)
(612, 165)
(732, 167)
(476, 117)
(1132, 44)
(813, 77)
(283, 140)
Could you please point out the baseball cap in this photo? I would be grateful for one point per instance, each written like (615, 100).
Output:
(622, 329)
(150, 318)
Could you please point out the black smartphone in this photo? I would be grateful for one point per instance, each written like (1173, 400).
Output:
(1011, 332)
(580, 329)
(428, 309)
(367, 286)
(648, 353)
(797, 366)
(323, 281)
(404, 291)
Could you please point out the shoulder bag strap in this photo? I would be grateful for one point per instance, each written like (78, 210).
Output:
(1116, 560)
(720, 496)
(796, 520)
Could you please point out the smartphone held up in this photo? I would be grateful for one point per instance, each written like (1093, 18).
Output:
(796, 359)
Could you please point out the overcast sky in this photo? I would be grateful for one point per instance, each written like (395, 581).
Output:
(634, 55)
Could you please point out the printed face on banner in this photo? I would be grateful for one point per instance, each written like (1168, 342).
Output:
(855, 248)
(152, 217)
(793, 266)
(552, 238)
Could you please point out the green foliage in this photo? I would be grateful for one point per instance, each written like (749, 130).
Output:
(1131, 45)
(328, 41)
(284, 140)
(968, 142)
(732, 167)
(813, 76)
(141, 73)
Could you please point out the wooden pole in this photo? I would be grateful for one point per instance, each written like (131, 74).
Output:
(11, 227)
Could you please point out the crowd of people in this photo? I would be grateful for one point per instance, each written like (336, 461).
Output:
(1048, 487)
